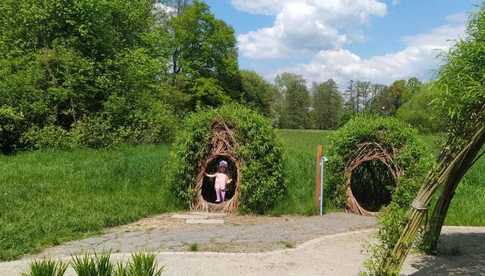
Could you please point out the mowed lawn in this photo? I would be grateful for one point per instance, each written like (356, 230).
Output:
(49, 197)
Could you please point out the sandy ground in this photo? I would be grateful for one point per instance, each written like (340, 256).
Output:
(338, 249)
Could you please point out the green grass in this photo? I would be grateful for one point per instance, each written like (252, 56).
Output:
(50, 197)
(300, 170)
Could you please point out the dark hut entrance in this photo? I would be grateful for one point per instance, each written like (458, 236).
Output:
(371, 178)
(223, 146)
(208, 190)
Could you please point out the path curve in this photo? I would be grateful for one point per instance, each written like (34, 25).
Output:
(462, 253)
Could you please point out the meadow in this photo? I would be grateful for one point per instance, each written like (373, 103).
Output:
(49, 197)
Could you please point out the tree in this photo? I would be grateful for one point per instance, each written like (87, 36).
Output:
(204, 48)
(257, 93)
(295, 101)
(327, 105)
(462, 82)
(420, 112)
(62, 61)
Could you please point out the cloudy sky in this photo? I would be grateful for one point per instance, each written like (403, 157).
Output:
(374, 40)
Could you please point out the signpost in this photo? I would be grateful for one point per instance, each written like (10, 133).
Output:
(320, 177)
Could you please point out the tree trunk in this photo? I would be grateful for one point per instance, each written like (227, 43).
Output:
(447, 174)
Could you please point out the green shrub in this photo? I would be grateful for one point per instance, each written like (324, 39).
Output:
(48, 137)
(260, 152)
(47, 268)
(12, 125)
(411, 154)
(153, 126)
(95, 132)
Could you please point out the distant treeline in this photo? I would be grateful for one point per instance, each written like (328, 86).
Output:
(101, 72)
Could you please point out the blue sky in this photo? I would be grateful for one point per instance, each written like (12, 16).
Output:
(373, 40)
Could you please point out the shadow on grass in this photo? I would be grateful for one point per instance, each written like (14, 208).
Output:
(458, 254)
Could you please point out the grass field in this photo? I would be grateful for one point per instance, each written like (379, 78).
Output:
(48, 197)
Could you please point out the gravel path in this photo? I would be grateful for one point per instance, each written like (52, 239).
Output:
(334, 252)
(237, 234)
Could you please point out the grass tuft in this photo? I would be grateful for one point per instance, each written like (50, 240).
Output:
(47, 268)
(140, 265)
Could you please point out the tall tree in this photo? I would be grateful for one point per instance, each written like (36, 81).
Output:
(204, 59)
(296, 101)
(327, 105)
(257, 93)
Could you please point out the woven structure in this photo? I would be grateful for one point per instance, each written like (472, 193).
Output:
(246, 141)
(223, 146)
(368, 152)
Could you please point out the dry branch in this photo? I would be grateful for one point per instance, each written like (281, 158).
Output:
(222, 143)
(368, 152)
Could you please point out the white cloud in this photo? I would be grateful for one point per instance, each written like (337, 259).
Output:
(418, 58)
(305, 26)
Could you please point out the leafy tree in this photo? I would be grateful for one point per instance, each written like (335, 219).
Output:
(204, 48)
(420, 112)
(295, 101)
(62, 60)
(257, 92)
(327, 105)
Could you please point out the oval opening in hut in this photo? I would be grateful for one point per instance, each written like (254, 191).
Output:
(208, 190)
(372, 184)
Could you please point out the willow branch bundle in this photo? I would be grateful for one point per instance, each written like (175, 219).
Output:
(222, 143)
(448, 171)
(367, 152)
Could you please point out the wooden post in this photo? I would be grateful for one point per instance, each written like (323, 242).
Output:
(317, 182)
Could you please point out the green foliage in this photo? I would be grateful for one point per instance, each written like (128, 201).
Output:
(462, 81)
(204, 56)
(420, 111)
(411, 154)
(327, 105)
(93, 266)
(95, 132)
(73, 64)
(46, 268)
(257, 92)
(259, 151)
(52, 137)
(293, 102)
(12, 125)
(140, 265)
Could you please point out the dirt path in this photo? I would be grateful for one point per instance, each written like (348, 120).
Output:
(237, 234)
(334, 252)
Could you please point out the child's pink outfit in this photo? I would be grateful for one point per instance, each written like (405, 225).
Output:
(220, 185)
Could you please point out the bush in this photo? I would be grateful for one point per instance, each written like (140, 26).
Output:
(95, 132)
(12, 125)
(153, 126)
(411, 154)
(259, 151)
(48, 137)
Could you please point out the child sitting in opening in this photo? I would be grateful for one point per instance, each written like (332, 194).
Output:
(222, 179)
